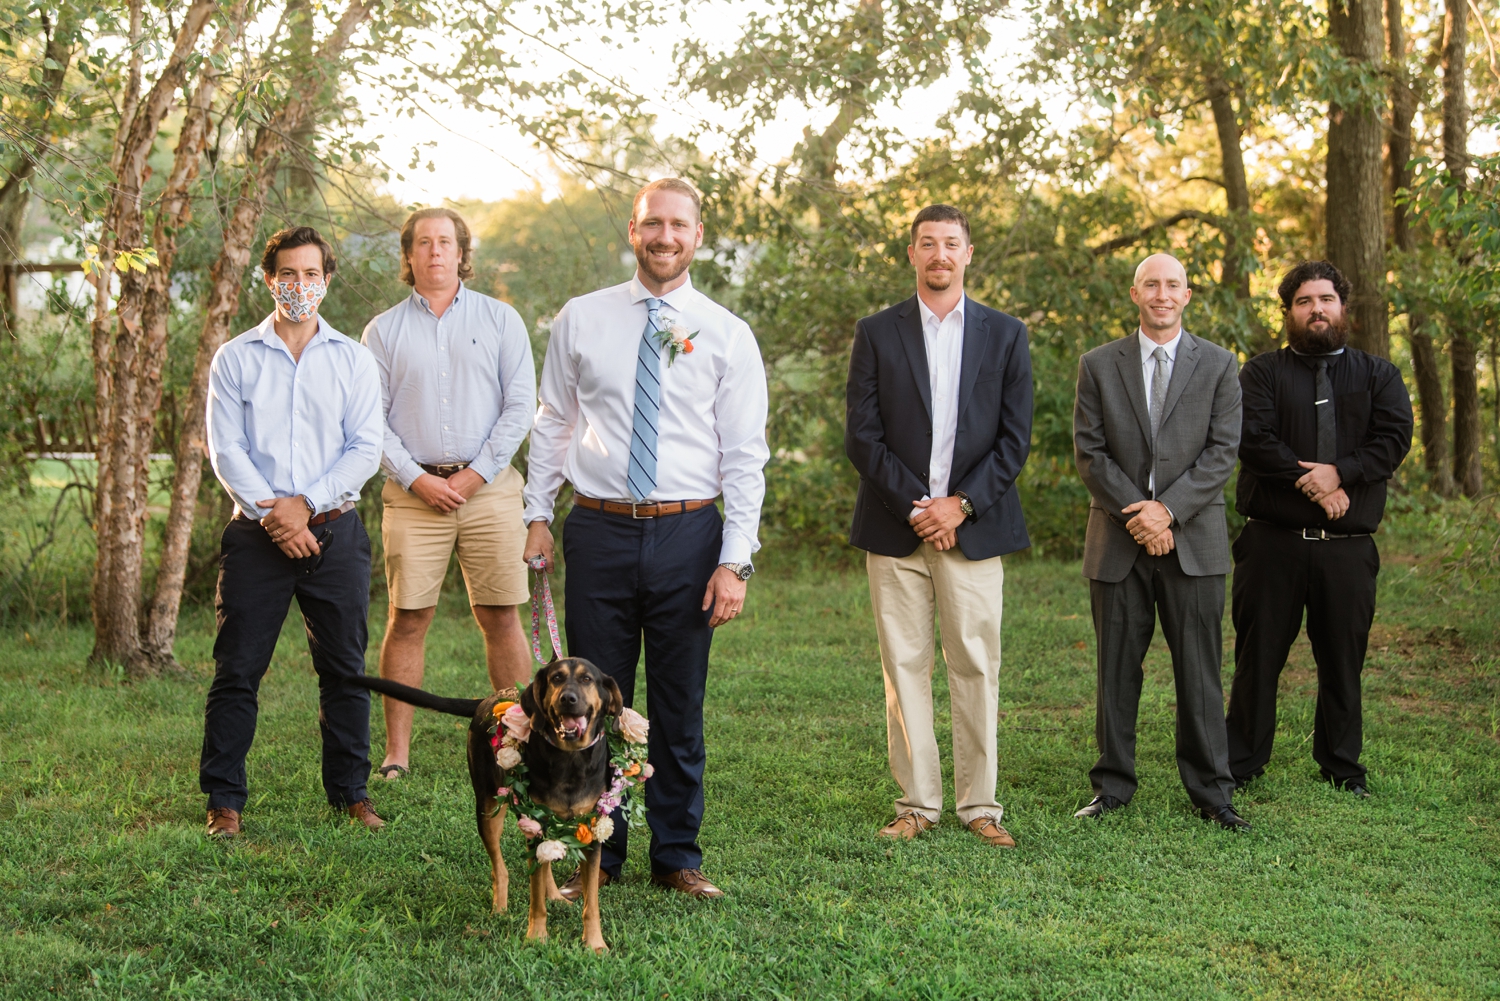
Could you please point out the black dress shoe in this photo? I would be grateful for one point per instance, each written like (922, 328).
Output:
(1357, 790)
(1226, 817)
(1099, 807)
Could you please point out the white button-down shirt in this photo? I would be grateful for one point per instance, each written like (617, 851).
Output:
(945, 351)
(1148, 372)
(445, 400)
(711, 435)
(279, 427)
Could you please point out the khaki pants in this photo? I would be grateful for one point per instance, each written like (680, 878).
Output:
(905, 593)
(488, 532)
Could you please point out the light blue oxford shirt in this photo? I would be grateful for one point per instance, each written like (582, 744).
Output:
(279, 428)
(446, 401)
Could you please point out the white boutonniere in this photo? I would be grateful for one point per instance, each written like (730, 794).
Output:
(675, 339)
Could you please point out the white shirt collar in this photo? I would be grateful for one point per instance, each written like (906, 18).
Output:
(677, 298)
(422, 299)
(1148, 346)
(928, 316)
(268, 333)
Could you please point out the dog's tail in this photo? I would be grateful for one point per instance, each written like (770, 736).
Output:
(417, 697)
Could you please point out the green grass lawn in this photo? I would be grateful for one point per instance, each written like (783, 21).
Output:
(108, 888)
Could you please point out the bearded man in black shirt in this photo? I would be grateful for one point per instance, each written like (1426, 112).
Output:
(1325, 426)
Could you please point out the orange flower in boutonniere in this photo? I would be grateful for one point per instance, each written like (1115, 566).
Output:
(675, 339)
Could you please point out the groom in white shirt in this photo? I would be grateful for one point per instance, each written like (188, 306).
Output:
(652, 405)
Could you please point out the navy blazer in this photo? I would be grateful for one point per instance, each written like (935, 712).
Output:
(888, 429)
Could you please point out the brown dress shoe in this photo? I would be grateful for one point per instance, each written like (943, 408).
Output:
(991, 832)
(573, 888)
(364, 812)
(223, 822)
(906, 826)
(689, 881)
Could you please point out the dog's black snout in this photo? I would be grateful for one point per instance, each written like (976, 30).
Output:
(569, 700)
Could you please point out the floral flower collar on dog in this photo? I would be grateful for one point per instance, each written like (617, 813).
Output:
(550, 838)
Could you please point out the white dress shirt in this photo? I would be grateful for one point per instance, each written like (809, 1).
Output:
(712, 433)
(445, 401)
(1148, 372)
(279, 427)
(945, 351)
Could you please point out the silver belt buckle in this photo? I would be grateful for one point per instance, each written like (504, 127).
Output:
(1321, 536)
(641, 517)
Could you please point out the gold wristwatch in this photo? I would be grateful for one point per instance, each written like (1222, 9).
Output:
(964, 504)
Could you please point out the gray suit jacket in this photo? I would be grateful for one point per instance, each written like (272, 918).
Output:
(1196, 449)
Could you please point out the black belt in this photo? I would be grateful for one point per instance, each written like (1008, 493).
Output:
(1313, 534)
(645, 509)
(446, 470)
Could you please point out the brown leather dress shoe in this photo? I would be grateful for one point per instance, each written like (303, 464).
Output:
(364, 812)
(991, 832)
(223, 823)
(689, 881)
(573, 888)
(906, 826)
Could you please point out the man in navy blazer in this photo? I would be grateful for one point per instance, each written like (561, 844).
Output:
(939, 426)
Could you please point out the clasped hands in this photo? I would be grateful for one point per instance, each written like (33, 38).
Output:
(1151, 526)
(287, 526)
(447, 496)
(937, 519)
(1321, 484)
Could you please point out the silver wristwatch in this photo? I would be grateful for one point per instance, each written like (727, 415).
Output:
(740, 570)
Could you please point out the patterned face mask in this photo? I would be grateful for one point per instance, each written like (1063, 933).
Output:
(299, 300)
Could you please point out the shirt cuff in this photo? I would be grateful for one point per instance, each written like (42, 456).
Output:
(734, 549)
(408, 473)
(534, 513)
(1349, 469)
(322, 499)
(485, 466)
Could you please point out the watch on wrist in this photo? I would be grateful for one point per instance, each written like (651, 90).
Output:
(312, 508)
(964, 504)
(740, 570)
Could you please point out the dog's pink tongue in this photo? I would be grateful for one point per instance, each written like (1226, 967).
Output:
(578, 724)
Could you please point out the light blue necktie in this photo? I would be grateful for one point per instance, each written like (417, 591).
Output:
(642, 472)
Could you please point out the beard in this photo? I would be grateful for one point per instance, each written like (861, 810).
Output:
(937, 281)
(1309, 341)
(662, 272)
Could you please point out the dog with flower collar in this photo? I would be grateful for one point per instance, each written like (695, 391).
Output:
(564, 754)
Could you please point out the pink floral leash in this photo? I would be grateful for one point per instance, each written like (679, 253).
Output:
(541, 599)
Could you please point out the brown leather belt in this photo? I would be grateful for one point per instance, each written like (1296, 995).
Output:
(317, 519)
(446, 470)
(646, 509)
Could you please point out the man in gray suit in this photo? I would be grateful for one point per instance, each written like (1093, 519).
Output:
(1156, 429)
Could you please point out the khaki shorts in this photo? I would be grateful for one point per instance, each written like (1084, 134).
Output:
(488, 533)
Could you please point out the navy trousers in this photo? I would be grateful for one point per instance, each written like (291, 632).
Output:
(631, 580)
(256, 584)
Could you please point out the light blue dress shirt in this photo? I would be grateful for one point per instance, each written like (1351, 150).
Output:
(279, 428)
(455, 388)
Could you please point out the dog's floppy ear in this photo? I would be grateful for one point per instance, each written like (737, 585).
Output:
(612, 692)
(532, 694)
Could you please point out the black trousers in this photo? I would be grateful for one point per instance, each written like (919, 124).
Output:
(1278, 574)
(1192, 613)
(630, 580)
(256, 584)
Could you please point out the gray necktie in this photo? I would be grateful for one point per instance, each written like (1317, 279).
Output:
(1328, 435)
(1158, 391)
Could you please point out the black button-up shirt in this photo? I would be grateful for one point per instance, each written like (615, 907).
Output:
(1373, 415)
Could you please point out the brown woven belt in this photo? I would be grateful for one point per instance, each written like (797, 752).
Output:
(446, 470)
(646, 509)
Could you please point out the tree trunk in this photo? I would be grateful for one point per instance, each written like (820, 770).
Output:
(1462, 351)
(223, 303)
(1355, 223)
(1433, 408)
(124, 443)
(1239, 258)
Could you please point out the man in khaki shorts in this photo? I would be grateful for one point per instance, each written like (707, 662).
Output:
(459, 388)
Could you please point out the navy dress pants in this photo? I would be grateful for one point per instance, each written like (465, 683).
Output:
(256, 584)
(631, 580)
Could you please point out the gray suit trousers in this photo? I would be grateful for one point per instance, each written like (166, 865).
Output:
(1192, 612)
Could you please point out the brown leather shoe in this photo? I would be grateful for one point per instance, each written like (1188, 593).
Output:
(223, 823)
(689, 881)
(364, 812)
(990, 831)
(573, 888)
(906, 826)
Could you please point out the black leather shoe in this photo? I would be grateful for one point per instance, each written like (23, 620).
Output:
(1099, 807)
(1226, 817)
(1357, 790)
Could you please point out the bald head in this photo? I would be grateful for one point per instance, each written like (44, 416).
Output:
(1161, 293)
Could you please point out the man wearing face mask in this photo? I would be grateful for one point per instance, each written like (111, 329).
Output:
(294, 431)
(652, 404)
(1325, 426)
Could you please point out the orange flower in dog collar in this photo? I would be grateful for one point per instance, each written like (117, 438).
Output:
(584, 834)
(500, 708)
